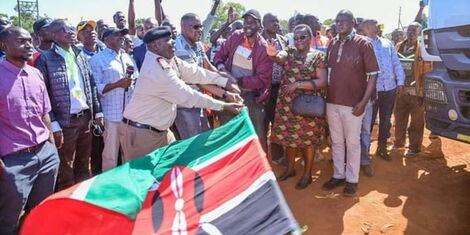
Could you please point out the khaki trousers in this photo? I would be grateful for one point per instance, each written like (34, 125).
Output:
(408, 109)
(345, 131)
(136, 142)
(111, 145)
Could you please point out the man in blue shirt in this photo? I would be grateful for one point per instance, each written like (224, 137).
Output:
(390, 82)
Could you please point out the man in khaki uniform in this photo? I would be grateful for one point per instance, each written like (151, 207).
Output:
(160, 87)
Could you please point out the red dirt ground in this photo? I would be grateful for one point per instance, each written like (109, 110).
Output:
(429, 194)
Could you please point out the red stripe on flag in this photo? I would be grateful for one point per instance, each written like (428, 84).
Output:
(76, 218)
(233, 174)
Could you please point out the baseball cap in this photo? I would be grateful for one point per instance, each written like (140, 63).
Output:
(253, 13)
(84, 23)
(156, 33)
(112, 30)
(41, 23)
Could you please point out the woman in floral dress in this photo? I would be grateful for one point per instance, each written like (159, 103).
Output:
(305, 72)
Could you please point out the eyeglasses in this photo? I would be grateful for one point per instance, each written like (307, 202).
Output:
(197, 27)
(303, 37)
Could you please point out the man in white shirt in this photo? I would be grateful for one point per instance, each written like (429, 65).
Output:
(159, 88)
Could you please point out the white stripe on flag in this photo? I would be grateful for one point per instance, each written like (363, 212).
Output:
(223, 154)
(82, 190)
(234, 202)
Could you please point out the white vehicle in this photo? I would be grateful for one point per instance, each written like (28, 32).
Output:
(446, 42)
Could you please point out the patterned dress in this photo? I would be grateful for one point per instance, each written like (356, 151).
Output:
(291, 130)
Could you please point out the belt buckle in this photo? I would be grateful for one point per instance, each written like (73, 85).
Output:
(79, 114)
(29, 149)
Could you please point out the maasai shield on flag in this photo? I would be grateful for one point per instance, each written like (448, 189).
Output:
(218, 182)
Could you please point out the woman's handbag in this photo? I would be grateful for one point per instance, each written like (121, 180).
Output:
(309, 106)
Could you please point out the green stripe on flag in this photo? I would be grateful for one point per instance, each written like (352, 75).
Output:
(123, 189)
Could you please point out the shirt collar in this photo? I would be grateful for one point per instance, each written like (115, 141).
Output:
(109, 50)
(13, 68)
(349, 37)
(63, 52)
(90, 53)
(183, 44)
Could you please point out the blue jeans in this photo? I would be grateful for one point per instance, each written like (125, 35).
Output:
(28, 178)
(190, 122)
(365, 135)
(384, 107)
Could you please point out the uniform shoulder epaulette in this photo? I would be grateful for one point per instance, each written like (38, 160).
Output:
(165, 65)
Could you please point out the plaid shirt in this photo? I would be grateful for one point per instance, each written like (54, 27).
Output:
(108, 67)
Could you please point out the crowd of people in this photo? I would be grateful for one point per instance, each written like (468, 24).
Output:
(83, 99)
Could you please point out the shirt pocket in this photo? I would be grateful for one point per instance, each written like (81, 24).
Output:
(112, 74)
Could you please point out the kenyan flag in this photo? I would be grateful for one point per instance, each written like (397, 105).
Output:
(218, 182)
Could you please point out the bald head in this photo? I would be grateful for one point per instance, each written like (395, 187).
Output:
(271, 23)
(149, 24)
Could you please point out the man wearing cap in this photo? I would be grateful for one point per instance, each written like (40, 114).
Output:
(28, 158)
(113, 71)
(192, 121)
(90, 45)
(159, 88)
(87, 36)
(74, 102)
(45, 38)
(244, 56)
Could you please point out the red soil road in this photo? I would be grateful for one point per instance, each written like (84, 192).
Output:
(429, 194)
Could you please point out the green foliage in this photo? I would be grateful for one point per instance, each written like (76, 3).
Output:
(284, 26)
(139, 21)
(328, 22)
(27, 21)
(221, 14)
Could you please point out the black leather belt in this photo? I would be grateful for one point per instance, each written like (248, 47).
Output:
(32, 149)
(140, 125)
(80, 114)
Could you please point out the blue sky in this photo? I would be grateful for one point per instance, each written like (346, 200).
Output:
(385, 11)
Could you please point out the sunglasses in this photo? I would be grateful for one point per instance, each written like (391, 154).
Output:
(303, 37)
(198, 26)
(67, 29)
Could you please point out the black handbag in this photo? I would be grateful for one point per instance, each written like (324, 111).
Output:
(309, 106)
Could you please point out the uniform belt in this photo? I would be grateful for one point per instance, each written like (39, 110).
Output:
(32, 149)
(140, 125)
(80, 114)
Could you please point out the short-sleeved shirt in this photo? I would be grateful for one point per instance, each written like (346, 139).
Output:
(350, 62)
(23, 104)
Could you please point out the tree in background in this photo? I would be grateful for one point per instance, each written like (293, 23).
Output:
(328, 22)
(221, 14)
(27, 18)
(284, 26)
